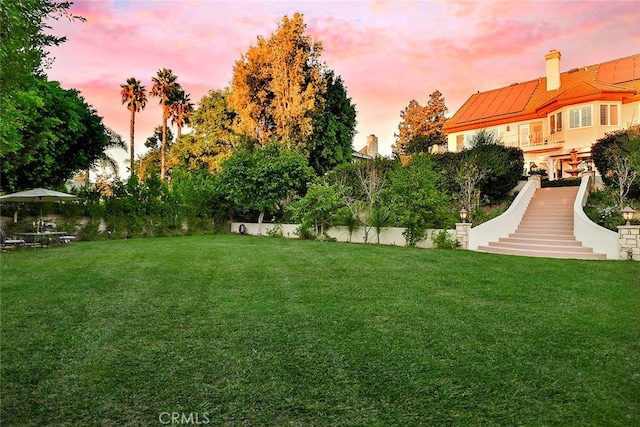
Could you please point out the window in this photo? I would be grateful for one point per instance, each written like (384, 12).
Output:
(459, 142)
(608, 115)
(580, 117)
(555, 123)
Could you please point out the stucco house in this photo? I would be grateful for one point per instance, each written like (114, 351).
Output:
(552, 115)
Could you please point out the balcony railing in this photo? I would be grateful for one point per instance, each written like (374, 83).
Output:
(533, 140)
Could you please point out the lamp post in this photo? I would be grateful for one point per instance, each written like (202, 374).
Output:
(463, 215)
(627, 214)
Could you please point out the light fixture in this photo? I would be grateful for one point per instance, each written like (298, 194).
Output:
(463, 214)
(627, 214)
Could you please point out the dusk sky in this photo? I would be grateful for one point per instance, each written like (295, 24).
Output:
(387, 52)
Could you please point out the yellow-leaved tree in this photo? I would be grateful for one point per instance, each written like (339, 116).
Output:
(278, 86)
(421, 126)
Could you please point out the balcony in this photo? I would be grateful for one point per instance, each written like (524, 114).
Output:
(534, 140)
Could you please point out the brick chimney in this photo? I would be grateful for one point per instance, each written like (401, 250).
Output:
(372, 145)
(553, 70)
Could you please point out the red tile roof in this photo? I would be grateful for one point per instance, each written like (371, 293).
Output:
(614, 80)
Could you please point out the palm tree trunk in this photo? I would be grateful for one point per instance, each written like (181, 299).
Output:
(179, 132)
(132, 125)
(163, 148)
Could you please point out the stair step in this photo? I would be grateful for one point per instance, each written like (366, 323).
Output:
(544, 242)
(543, 236)
(540, 253)
(546, 229)
(548, 248)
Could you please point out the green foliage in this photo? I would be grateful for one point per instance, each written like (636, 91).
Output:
(415, 200)
(627, 141)
(317, 210)
(444, 240)
(25, 42)
(264, 179)
(62, 135)
(545, 183)
(377, 218)
(501, 166)
(601, 209)
(333, 127)
(275, 231)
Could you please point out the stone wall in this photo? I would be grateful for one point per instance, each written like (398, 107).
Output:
(629, 242)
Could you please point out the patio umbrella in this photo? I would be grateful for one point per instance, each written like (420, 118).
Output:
(37, 195)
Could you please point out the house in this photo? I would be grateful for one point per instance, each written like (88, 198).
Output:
(370, 151)
(551, 116)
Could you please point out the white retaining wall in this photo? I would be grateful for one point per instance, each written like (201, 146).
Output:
(388, 235)
(506, 223)
(589, 233)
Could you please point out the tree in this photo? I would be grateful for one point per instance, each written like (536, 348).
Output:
(333, 127)
(415, 200)
(264, 179)
(135, 96)
(149, 163)
(421, 127)
(276, 85)
(214, 119)
(105, 161)
(181, 110)
(617, 157)
(24, 55)
(317, 208)
(164, 88)
(61, 137)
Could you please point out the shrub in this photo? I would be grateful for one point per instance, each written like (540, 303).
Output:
(444, 240)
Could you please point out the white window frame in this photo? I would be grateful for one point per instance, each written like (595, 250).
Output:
(582, 113)
(608, 114)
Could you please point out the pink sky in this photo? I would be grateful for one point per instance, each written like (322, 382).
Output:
(387, 52)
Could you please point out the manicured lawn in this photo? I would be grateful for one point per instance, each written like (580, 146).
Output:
(250, 331)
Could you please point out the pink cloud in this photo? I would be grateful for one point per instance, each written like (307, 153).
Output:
(387, 52)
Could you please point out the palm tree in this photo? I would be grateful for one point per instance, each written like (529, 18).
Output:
(105, 161)
(135, 96)
(164, 85)
(181, 110)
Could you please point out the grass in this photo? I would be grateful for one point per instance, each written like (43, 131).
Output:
(245, 331)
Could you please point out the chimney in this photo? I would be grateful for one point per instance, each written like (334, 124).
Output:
(372, 145)
(553, 70)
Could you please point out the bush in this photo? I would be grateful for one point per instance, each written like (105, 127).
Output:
(444, 240)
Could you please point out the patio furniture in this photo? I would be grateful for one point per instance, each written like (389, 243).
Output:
(43, 238)
(5, 241)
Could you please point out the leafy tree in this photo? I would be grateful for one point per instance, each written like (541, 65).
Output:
(276, 85)
(415, 200)
(617, 156)
(212, 138)
(333, 127)
(61, 137)
(214, 119)
(421, 126)
(317, 208)
(165, 88)
(181, 110)
(24, 55)
(264, 179)
(134, 94)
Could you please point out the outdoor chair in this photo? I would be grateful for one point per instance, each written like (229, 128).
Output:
(5, 241)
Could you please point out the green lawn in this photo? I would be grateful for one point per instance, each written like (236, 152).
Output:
(246, 331)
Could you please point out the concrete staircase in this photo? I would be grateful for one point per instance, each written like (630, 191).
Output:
(546, 229)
